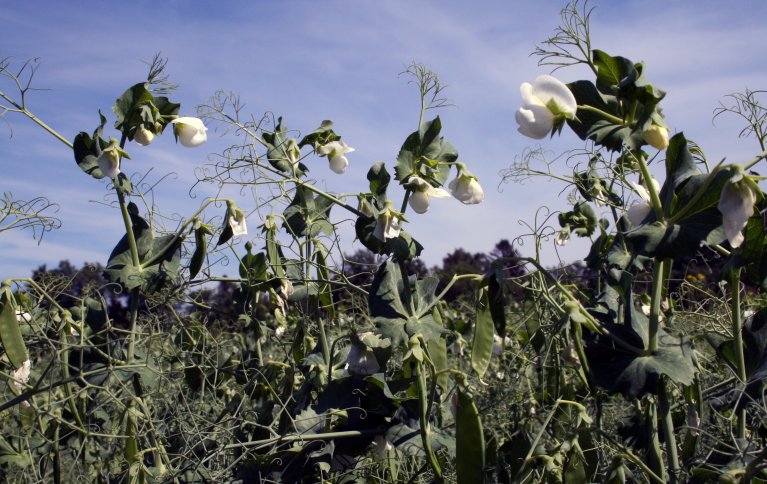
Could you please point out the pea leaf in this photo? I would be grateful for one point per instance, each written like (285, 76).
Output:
(392, 314)
(635, 370)
(426, 144)
(308, 214)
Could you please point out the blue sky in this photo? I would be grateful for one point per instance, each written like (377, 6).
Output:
(314, 60)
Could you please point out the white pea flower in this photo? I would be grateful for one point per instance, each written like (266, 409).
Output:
(499, 344)
(235, 219)
(21, 375)
(422, 191)
(545, 104)
(388, 224)
(563, 236)
(361, 360)
(286, 288)
(189, 131)
(656, 136)
(23, 317)
(639, 210)
(143, 136)
(336, 153)
(109, 161)
(466, 189)
(737, 205)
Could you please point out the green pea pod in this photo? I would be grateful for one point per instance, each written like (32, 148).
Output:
(482, 347)
(469, 441)
(200, 251)
(10, 333)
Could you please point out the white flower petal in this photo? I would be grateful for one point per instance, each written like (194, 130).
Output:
(109, 163)
(190, 131)
(21, 375)
(548, 88)
(736, 203)
(143, 136)
(642, 192)
(419, 202)
(637, 212)
(438, 192)
(467, 190)
(339, 163)
(362, 361)
(236, 221)
(534, 121)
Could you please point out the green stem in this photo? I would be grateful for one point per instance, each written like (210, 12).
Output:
(423, 418)
(37, 120)
(755, 160)
(657, 295)
(128, 229)
(607, 116)
(655, 455)
(667, 424)
(737, 336)
(134, 300)
(654, 197)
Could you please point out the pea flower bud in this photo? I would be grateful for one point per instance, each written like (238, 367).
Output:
(143, 136)
(109, 160)
(656, 136)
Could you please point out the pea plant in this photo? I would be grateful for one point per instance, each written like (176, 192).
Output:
(621, 372)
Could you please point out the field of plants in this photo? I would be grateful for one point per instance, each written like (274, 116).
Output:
(645, 362)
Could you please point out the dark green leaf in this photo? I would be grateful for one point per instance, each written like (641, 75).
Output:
(387, 303)
(276, 151)
(635, 370)
(379, 179)
(595, 127)
(159, 258)
(320, 136)
(613, 72)
(657, 239)
(403, 247)
(426, 146)
(87, 149)
(307, 214)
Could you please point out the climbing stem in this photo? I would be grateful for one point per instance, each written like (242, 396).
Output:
(737, 337)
